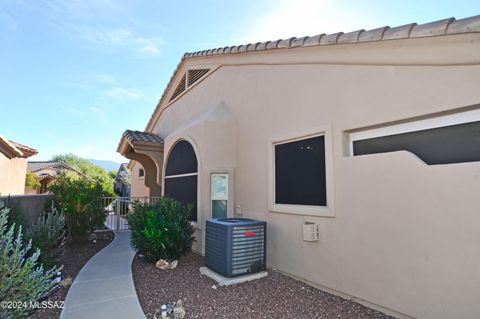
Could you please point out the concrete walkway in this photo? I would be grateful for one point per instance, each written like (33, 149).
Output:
(104, 287)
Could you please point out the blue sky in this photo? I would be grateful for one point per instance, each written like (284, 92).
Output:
(75, 74)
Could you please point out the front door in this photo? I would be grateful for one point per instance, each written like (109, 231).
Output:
(219, 195)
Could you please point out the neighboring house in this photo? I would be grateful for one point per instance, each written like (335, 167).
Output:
(138, 187)
(122, 182)
(13, 166)
(47, 172)
(374, 136)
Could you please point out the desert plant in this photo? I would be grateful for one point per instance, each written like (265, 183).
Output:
(163, 230)
(80, 201)
(22, 278)
(48, 234)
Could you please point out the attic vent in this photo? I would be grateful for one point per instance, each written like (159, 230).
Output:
(180, 88)
(195, 75)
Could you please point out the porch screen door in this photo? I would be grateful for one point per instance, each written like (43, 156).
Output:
(219, 195)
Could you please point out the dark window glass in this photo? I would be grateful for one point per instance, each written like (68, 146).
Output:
(141, 172)
(300, 172)
(444, 145)
(183, 189)
(182, 160)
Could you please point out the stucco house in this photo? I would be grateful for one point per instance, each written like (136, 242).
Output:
(122, 181)
(137, 187)
(13, 166)
(373, 136)
(47, 172)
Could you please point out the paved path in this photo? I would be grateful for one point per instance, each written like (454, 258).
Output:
(104, 287)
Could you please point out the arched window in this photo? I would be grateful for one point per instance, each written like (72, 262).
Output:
(181, 175)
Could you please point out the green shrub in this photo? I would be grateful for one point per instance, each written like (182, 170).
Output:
(48, 234)
(80, 201)
(22, 278)
(90, 170)
(163, 230)
(31, 180)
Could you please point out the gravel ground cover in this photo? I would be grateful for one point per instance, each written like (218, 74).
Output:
(276, 296)
(77, 253)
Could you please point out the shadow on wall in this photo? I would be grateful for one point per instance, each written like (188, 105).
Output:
(30, 205)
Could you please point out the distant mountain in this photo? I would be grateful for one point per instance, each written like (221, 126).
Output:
(108, 165)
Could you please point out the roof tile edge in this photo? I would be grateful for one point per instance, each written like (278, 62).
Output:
(435, 28)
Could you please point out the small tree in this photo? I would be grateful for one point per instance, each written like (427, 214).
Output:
(31, 181)
(80, 201)
(90, 170)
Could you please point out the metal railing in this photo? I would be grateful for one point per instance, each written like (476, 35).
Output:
(118, 208)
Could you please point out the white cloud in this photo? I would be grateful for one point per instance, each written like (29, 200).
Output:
(75, 111)
(98, 111)
(103, 78)
(119, 37)
(103, 24)
(283, 19)
(123, 93)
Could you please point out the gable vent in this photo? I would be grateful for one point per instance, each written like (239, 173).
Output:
(195, 75)
(180, 88)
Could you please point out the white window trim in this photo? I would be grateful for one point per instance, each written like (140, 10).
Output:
(230, 190)
(319, 211)
(415, 125)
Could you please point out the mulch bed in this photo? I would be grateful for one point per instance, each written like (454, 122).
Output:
(276, 296)
(77, 252)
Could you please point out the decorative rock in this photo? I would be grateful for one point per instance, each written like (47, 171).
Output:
(164, 265)
(66, 282)
(179, 311)
(92, 237)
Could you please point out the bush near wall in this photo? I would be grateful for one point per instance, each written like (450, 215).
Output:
(80, 201)
(48, 234)
(22, 277)
(163, 230)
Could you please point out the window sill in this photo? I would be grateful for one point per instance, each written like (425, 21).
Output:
(305, 210)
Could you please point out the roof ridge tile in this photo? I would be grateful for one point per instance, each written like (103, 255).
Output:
(431, 28)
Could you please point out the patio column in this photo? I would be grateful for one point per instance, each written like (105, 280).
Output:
(146, 148)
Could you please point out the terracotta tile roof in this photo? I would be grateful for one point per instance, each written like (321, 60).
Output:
(412, 30)
(40, 165)
(138, 136)
(15, 149)
(27, 151)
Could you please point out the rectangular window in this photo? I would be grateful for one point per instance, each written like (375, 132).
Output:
(141, 172)
(446, 139)
(183, 189)
(219, 194)
(300, 175)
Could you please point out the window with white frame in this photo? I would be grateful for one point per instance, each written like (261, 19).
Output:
(219, 195)
(300, 172)
(447, 139)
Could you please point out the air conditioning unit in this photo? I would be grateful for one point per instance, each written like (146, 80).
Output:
(235, 246)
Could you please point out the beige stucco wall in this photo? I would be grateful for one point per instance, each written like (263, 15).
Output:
(12, 175)
(405, 235)
(138, 183)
